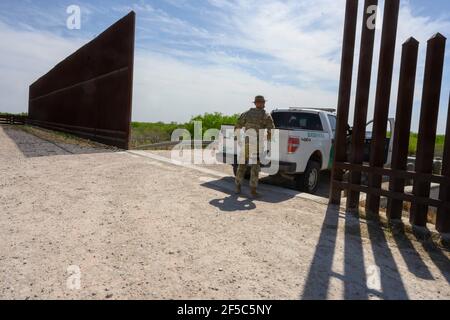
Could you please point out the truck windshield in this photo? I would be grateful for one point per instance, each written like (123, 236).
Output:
(297, 120)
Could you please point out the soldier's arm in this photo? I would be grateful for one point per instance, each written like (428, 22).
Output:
(239, 125)
(269, 125)
(241, 122)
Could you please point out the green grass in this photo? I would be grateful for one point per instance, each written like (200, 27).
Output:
(144, 133)
(439, 145)
(23, 114)
(212, 121)
(149, 133)
(412, 149)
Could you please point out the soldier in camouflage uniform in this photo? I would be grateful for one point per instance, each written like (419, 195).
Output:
(256, 119)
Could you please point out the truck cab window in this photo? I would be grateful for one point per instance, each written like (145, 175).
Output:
(297, 120)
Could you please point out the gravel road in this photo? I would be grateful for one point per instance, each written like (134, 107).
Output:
(138, 227)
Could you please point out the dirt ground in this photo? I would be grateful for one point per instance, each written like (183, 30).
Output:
(139, 227)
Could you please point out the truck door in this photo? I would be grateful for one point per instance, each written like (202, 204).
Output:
(388, 144)
(333, 120)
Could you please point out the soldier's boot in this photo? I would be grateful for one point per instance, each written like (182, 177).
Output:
(254, 193)
(238, 189)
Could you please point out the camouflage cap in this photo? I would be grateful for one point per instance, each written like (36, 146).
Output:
(259, 99)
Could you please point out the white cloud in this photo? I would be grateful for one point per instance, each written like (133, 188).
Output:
(24, 57)
(169, 90)
(299, 42)
(421, 28)
(300, 35)
(164, 90)
(154, 19)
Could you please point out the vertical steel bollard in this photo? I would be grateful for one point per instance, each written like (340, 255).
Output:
(361, 103)
(428, 124)
(382, 100)
(402, 130)
(443, 215)
(345, 87)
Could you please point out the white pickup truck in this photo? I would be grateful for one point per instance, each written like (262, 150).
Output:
(306, 137)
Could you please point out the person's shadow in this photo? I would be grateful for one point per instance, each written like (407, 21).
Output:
(233, 203)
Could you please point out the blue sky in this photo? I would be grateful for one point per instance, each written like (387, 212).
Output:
(210, 55)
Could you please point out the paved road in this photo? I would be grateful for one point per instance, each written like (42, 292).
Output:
(136, 226)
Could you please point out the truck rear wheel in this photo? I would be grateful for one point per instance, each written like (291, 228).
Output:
(309, 180)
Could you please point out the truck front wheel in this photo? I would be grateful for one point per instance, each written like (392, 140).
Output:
(309, 180)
